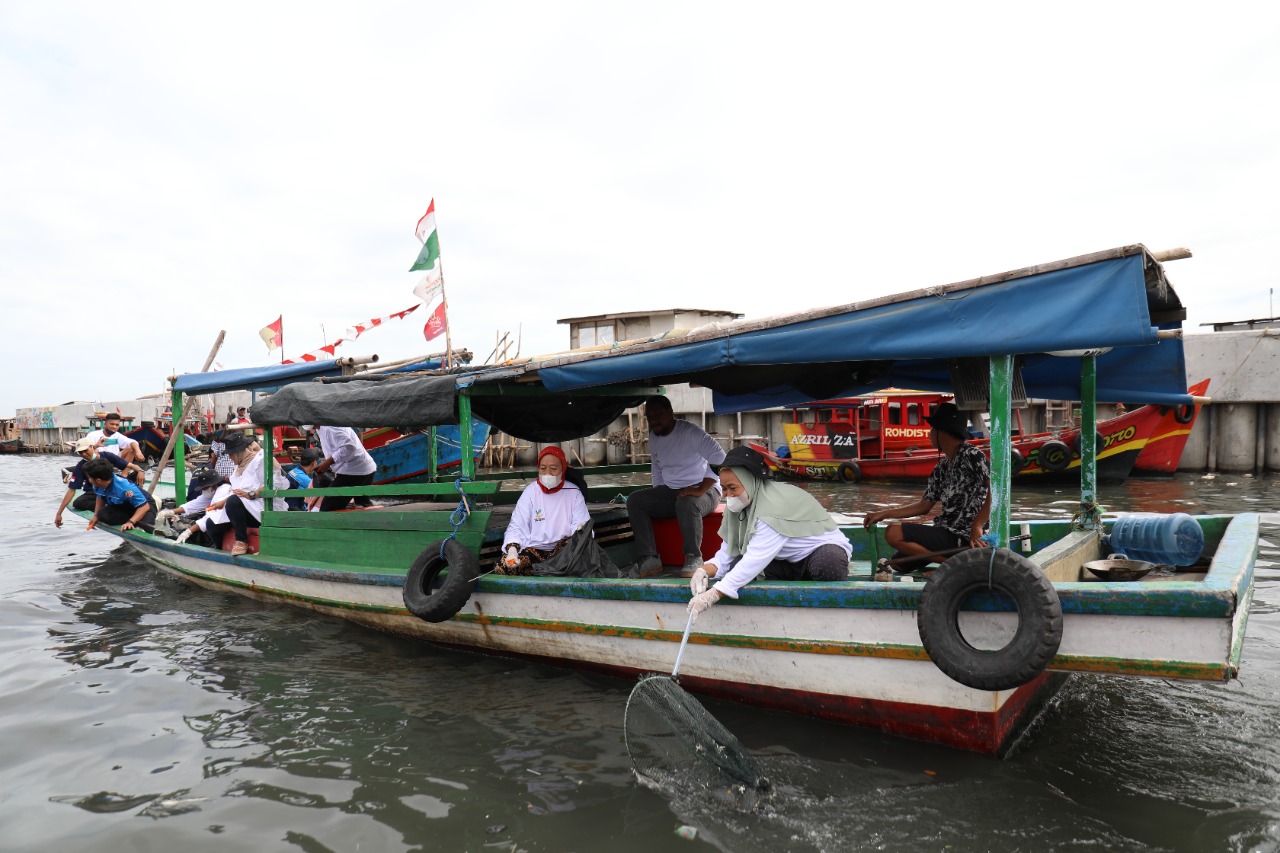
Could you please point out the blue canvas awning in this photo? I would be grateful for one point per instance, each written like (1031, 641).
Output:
(1113, 299)
(273, 377)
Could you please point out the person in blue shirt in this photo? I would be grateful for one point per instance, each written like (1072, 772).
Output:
(119, 501)
(300, 476)
(87, 450)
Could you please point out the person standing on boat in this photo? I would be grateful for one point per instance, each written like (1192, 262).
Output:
(350, 463)
(87, 450)
(118, 502)
(772, 528)
(242, 416)
(111, 439)
(243, 507)
(961, 481)
(684, 486)
(549, 511)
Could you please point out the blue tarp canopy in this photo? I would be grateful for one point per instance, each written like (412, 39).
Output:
(272, 377)
(1115, 299)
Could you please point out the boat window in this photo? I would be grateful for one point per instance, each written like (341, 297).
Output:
(824, 416)
(895, 414)
(842, 416)
(913, 414)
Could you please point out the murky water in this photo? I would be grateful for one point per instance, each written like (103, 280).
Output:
(141, 713)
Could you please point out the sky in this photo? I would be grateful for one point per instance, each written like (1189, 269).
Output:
(171, 170)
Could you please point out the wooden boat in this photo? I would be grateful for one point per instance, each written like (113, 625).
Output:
(404, 457)
(850, 651)
(1169, 436)
(12, 445)
(885, 437)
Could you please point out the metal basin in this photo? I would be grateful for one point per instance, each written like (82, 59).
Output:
(1119, 570)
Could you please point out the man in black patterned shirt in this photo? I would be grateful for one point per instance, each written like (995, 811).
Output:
(961, 481)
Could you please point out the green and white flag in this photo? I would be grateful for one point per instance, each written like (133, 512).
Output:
(429, 257)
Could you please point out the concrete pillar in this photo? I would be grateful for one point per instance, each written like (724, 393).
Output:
(1237, 438)
(1271, 458)
(1195, 455)
(593, 448)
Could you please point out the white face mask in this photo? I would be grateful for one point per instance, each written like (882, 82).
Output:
(737, 504)
(549, 481)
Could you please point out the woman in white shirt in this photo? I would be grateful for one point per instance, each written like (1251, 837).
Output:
(771, 528)
(548, 512)
(244, 504)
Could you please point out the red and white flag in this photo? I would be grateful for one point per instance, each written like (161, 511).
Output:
(316, 355)
(272, 334)
(436, 323)
(360, 328)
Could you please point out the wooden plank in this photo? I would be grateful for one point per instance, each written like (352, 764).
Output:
(382, 550)
(374, 520)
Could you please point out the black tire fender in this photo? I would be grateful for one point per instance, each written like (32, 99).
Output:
(849, 472)
(1054, 456)
(1016, 462)
(1039, 612)
(1077, 442)
(1184, 414)
(433, 604)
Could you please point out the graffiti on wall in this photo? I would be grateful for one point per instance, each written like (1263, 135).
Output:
(39, 417)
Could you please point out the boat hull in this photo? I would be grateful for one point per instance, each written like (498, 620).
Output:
(1169, 436)
(848, 652)
(403, 457)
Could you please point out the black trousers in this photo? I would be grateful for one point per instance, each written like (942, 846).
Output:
(118, 514)
(241, 521)
(336, 503)
(87, 500)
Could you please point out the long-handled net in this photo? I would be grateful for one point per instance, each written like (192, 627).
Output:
(673, 739)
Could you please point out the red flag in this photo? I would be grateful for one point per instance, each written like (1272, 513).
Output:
(436, 323)
(272, 334)
(360, 328)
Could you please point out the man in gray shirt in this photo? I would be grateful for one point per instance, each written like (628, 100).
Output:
(684, 486)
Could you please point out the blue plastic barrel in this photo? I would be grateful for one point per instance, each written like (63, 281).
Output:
(1174, 540)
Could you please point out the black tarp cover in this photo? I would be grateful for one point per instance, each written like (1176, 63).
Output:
(414, 402)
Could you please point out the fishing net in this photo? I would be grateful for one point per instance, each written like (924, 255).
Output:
(672, 739)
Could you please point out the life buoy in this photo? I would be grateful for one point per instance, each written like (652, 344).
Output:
(1016, 462)
(1039, 612)
(433, 604)
(849, 472)
(1054, 456)
(1184, 414)
(1077, 442)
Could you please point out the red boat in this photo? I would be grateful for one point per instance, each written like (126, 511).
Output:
(1164, 448)
(886, 437)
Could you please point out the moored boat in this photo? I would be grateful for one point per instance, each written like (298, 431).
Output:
(851, 651)
(1160, 456)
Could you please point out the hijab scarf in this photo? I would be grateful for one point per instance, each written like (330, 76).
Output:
(789, 510)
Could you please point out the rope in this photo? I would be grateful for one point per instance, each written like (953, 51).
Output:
(460, 514)
(993, 542)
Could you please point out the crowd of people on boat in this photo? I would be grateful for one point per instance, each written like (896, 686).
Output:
(768, 529)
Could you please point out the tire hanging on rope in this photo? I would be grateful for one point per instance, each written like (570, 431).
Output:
(848, 472)
(1016, 462)
(1054, 456)
(460, 567)
(979, 570)
(1077, 443)
(1184, 414)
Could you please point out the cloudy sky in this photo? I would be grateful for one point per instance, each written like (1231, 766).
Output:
(168, 170)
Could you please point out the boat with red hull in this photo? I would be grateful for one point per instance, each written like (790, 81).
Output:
(886, 437)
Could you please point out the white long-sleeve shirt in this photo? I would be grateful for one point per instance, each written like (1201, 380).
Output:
(684, 457)
(342, 445)
(251, 481)
(540, 520)
(765, 546)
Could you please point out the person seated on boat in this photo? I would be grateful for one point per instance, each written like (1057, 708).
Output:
(350, 463)
(961, 481)
(548, 512)
(110, 438)
(684, 486)
(243, 506)
(299, 477)
(218, 457)
(87, 449)
(201, 492)
(772, 528)
(118, 502)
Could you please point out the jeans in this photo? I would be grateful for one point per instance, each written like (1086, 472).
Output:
(664, 502)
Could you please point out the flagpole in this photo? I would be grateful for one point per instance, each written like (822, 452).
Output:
(444, 300)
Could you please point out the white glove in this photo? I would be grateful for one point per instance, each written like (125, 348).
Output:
(186, 534)
(512, 558)
(698, 583)
(702, 602)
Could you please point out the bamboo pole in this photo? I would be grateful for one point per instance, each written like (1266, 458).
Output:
(176, 424)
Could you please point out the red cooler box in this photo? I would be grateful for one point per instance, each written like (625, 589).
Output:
(229, 539)
(666, 534)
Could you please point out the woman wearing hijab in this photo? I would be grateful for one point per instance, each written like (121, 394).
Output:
(548, 512)
(242, 507)
(774, 528)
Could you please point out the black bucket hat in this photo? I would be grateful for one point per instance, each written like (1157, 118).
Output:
(235, 441)
(948, 419)
(204, 477)
(746, 458)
